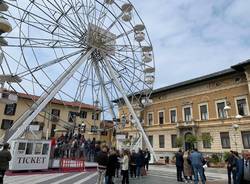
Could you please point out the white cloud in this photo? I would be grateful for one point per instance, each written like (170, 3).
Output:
(193, 38)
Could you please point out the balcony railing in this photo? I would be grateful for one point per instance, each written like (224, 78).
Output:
(191, 123)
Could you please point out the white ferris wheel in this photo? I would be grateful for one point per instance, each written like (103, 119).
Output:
(90, 51)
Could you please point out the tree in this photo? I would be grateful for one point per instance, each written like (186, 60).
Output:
(192, 140)
(179, 142)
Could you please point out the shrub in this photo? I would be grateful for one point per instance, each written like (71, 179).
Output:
(226, 155)
(214, 159)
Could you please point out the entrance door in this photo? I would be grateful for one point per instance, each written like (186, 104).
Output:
(188, 146)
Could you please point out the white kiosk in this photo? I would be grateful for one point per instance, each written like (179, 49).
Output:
(29, 155)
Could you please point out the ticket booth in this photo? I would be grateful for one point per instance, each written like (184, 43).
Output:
(29, 155)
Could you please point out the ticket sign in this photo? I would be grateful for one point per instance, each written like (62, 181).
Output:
(30, 155)
(120, 137)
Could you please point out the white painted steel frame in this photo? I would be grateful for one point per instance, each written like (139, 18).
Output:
(124, 96)
(41, 103)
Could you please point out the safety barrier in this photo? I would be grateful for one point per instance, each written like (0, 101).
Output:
(70, 165)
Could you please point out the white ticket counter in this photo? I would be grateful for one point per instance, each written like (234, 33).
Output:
(30, 155)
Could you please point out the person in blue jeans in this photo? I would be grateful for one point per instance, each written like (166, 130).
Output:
(197, 164)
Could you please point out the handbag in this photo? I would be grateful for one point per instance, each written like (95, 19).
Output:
(143, 171)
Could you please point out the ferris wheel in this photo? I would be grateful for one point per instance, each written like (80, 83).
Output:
(90, 51)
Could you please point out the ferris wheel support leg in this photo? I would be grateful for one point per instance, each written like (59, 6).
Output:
(120, 88)
(111, 107)
(45, 99)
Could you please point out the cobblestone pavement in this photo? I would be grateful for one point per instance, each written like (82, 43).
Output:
(157, 175)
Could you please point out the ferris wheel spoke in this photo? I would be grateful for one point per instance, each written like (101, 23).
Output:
(102, 16)
(125, 64)
(114, 87)
(66, 29)
(49, 63)
(130, 72)
(77, 16)
(60, 13)
(84, 75)
(128, 57)
(18, 62)
(66, 37)
(43, 43)
(67, 8)
(42, 26)
(125, 79)
(126, 48)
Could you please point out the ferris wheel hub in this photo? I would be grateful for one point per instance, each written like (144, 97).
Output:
(102, 39)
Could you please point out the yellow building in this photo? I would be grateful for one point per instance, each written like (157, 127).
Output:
(56, 117)
(211, 110)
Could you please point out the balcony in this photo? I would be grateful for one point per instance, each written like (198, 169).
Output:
(186, 124)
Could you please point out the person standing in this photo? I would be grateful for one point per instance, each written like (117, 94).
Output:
(187, 168)
(125, 163)
(139, 161)
(111, 167)
(245, 179)
(147, 158)
(179, 165)
(5, 157)
(118, 164)
(102, 161)
(197, 165)
(230, 163)
(133, 164)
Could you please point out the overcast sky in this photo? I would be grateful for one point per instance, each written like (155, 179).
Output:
(192, 38)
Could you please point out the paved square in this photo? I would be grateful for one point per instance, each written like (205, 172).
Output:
(157, 175)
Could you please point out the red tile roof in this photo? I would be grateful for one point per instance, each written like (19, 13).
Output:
(59, 102)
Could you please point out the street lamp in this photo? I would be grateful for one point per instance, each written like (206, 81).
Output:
(235, 127)
(226, 109)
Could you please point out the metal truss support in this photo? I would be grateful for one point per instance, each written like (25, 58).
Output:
(23, 122)
(124, 96)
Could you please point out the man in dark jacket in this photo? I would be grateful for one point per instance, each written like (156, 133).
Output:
(132, 164)
(102, 161)
(179, 164)
(139, 160)
(244, 168)
(230, 164)
(112, 162)
(147, 158)
(5, 157)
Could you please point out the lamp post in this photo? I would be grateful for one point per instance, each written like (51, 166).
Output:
(226, 110)
(236, 127)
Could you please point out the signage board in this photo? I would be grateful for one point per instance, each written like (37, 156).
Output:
(29, 155)
(120, 137)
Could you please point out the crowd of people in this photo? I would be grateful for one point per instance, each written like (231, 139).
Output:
(238, 168)
(114, 163)
(75, 146)
(192, 163)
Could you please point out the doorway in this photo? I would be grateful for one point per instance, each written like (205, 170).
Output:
(188, 145)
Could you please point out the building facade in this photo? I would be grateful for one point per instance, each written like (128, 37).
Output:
(56, 118)
(210, 112)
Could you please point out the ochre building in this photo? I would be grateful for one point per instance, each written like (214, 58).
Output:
(212, 109)
(56, 118)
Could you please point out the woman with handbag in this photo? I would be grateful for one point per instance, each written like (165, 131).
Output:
(187, 168)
